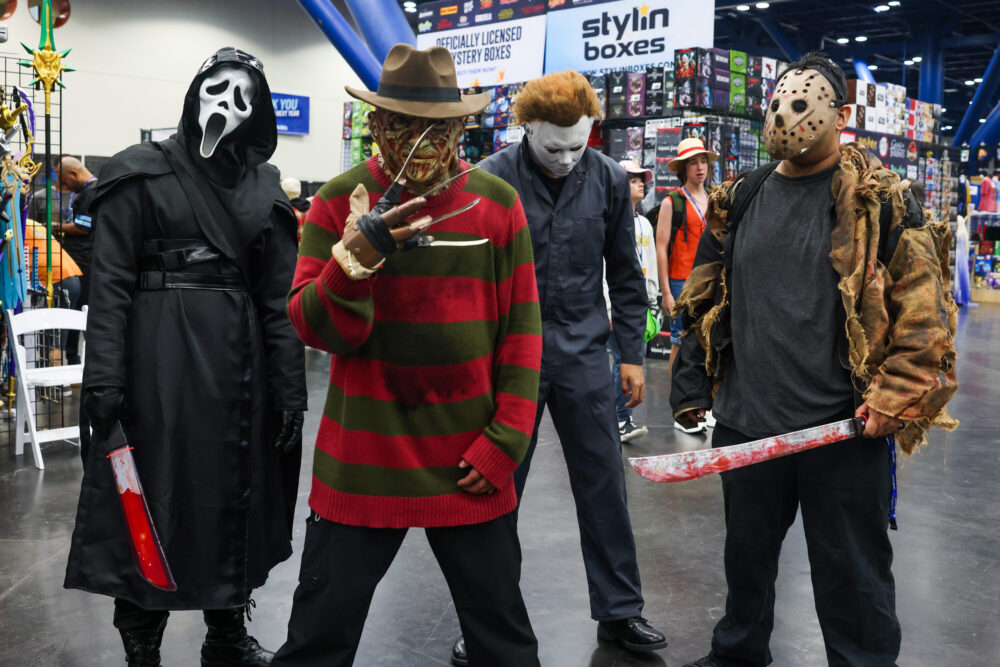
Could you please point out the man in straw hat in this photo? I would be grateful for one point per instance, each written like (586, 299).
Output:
(434, 373)
(580, 213)
(680, 224)
(818, 295)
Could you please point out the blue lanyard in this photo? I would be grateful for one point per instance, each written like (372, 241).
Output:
(697, 208)
(891, 441)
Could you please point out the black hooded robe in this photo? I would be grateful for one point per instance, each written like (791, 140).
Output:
(203, 371)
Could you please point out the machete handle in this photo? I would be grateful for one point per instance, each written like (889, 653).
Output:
(859, 425)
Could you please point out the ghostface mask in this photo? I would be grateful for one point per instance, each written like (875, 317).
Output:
(558, 149)
(802, 111)
(226, 102)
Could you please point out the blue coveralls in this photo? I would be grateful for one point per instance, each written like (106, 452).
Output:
(590, 224)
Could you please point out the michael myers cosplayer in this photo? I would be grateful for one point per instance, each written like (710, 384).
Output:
(821, 293)
(190, 349)
(579, 210)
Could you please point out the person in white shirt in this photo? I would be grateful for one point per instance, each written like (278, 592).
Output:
(645, 248)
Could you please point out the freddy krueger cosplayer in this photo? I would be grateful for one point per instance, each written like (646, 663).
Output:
(579, 210)
(189, 348)
(435, 342)
(820, 293)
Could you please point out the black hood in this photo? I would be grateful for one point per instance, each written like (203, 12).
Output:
(251, 144)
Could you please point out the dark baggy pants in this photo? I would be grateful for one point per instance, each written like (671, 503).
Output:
(843, 490)
(342, 565)
(581, 401)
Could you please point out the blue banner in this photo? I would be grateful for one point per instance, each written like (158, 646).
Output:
(291, 112)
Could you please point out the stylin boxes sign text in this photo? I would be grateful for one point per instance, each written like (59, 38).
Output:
(492, 41)
(624, 35)
(291, 112)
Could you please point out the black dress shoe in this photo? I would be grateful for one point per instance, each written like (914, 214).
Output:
(459, 657)
(635, 634)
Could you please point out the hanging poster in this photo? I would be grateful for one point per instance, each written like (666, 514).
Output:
(493, 42)
(291, 112)
(597, 36)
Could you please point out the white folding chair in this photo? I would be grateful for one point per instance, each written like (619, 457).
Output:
(28, 323)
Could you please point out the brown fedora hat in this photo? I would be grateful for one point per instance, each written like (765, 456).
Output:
(422, 84)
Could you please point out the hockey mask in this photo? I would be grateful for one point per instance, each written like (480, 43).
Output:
(801, 113)
(555, 148)
(397, 134)
(226, 102)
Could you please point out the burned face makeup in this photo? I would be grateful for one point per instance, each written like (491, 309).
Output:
(397, 135)
(555, 148)
(801, 113)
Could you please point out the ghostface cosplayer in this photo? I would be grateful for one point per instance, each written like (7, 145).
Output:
(821, 293)
(190, 349)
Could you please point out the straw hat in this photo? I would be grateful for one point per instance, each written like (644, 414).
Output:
(633, 169)
(687, 150)
(422, 84)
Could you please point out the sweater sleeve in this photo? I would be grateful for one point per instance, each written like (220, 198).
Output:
(328, 310)
(504, 442)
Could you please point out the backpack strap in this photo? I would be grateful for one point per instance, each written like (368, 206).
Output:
(743, 190)
(679, 218)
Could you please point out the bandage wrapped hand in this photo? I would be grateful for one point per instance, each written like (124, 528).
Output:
(371, 236)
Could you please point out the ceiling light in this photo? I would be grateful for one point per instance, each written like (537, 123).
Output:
(917, 59)
(860, 38)
(409, 3)
(742, 8)
(882, 8)
(762, 5)
(982, 120)
(894, 3)
(873, 67)
(978, 80)
(946, 127)
(943, 109)
(970, 82)
(410, 9)
(842, 40)
(907, 62)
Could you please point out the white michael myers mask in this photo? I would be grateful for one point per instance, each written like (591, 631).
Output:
(557, 148)
(226, 100)
(801, 113)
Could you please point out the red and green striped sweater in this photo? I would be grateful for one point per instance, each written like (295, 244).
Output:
(435, 359)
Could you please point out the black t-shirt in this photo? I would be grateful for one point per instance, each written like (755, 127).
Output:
(783, 371)
(80, 246)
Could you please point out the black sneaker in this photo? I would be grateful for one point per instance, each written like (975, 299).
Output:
(635, 634)
(629, 430)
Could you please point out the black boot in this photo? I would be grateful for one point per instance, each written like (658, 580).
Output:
(227, 642)
(142, 647)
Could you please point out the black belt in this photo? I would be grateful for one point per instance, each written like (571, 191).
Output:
(156, 280)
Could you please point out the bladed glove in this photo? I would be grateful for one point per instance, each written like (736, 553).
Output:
(290, 434)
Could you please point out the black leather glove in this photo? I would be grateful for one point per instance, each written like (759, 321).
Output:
(104, 406)
(290, 435)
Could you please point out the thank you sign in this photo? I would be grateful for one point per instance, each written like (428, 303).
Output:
(291, 112)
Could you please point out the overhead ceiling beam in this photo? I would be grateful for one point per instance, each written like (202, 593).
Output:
(791, 51)
(980, 101)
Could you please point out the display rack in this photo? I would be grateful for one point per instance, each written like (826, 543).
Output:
(58, 406)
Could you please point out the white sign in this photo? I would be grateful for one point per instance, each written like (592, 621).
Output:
(626, 35)
(494, 54)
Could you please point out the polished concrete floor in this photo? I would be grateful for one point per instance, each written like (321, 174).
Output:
(947, 554)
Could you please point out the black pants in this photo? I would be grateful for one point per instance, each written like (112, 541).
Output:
(130, 616)
(71, 337)
(342, 565)
(843, 490)
(580, 396)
